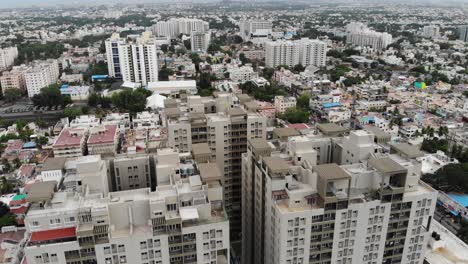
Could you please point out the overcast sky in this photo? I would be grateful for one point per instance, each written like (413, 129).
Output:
(30, 3)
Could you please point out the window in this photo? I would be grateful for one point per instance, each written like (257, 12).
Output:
(171, 207)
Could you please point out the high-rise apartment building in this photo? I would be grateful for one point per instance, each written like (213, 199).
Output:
(40, 75)
(7, 57)
(431, 31)
(199, 41)
(360, 35)
(14, 79)
(133, 60)
(218, 127)
(295, 211)
(255, 29)
(304, 51)
(181, 222)
(176, 26)
(463, 33)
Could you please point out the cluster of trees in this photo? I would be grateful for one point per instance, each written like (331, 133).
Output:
(38, 51)
(340, 70)
(342, 55)
(204, 86)
(435, 144)
(51, 96)
(451, 177)
(97, 100)
(99, 68)
(132, 101)
(73, 112)
(300, 113)
(266, 93)
(12, 95)
(6, 218)
(87, 41)
(164, 74)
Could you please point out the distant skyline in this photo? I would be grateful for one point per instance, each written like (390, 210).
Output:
(48, 3)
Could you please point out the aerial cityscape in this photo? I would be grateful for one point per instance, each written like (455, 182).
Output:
(234, 132)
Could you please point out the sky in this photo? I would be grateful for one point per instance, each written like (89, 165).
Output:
(31, 3)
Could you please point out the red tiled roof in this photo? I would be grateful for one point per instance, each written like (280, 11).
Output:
(69, 137)
(107, 137)
(53, 234)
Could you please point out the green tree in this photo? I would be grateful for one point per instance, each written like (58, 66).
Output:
(41, 123)
(295, 115)
(5, 186)
(50, 96)
(132, 101)
(12, 95)
(303, 102)
(72, 112)
(164, 73)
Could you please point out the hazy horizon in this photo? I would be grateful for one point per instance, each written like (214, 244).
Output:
(4, 4)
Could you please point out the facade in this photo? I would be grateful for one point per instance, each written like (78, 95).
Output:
(225, 127)
(200, 41)
(174, 27)
(130, 172)
(360, 35)
(431, 31)
(13, 79)
(284, 103)
(255, 30)
(242, 74)
(182, 222)
(295, 211)
(41, 75)
(463, 32)
(132, 60)
(7, 57)
(291, 53)
(103, 140)
(76, 93)
(71, 142)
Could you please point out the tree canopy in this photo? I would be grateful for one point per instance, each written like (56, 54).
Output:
(50, 96)
(132, 101)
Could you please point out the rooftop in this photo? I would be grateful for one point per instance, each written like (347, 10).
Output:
(54, 164)
(106, 135)
(407, 150)
(209, 171)
(276, 164)
(386, 165)
(285, 132)
(331, 171)
(70, 137)
(330, 128)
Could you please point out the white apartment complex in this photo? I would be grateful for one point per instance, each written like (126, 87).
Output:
(181, 222)
(7, 57)
(219, 128)
(242, 74)
(431, 31)
(133, 60)
(200, 41)
(40, 75)
(295, 211)
(360, 35)
(176, 26)
(255, 30)
(291, 53)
